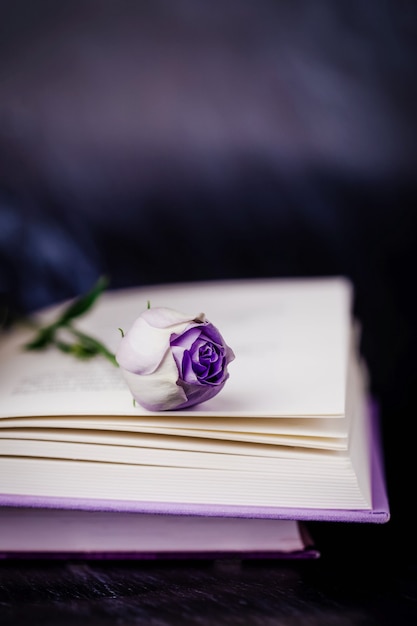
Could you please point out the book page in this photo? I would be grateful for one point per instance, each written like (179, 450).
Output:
(298, 478)
(333, 427)
(290, 337)
(165, 451)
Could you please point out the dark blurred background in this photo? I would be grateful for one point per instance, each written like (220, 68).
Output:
(176, 140)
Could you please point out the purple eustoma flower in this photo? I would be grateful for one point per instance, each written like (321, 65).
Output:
(172, 361)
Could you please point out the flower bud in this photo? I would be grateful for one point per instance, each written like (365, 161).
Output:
(172, 361)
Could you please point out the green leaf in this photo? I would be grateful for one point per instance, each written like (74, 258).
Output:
(75, 349)
(43, 339)
(84, 347)
(83, 303)
(93, 345)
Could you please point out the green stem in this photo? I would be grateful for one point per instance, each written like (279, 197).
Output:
(93, 345)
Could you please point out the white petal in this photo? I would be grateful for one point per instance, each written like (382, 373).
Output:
(143, 347)
(157, 391)
(162, 317)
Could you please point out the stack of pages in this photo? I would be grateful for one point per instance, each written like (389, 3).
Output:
(292, 437)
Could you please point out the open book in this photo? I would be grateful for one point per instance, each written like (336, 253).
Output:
(293, 435)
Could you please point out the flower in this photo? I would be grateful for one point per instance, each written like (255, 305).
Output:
(171, 360)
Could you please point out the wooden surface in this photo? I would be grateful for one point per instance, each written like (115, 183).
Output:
(361, 578)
